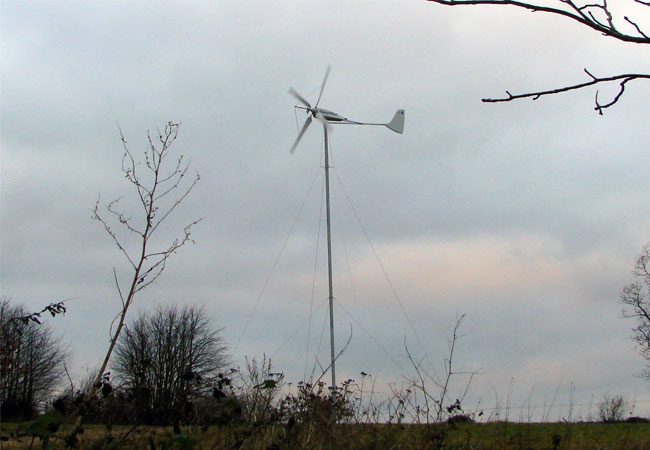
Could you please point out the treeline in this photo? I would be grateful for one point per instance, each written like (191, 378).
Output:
(169, 364)
(32, 361)
(170, 367)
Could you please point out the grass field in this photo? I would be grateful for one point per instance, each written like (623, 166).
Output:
(500, 435)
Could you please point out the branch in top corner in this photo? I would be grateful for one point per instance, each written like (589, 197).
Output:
(584, 14)
(624, 78)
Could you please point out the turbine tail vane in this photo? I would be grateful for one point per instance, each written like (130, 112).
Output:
(397, 123)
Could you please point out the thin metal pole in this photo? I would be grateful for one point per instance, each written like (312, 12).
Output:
(329, 263)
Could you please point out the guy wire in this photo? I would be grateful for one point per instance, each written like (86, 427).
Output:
(275, 263)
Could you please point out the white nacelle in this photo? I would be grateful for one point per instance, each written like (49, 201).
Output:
(330, 115)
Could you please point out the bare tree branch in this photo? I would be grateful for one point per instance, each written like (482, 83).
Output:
(109, 230)
(345, 347)
(25, 319)
(152, 186)
(177, 202)
(117, 285)
(634, 24)
(596, 16)
(571, 10)
(440, 394)
(594, 80)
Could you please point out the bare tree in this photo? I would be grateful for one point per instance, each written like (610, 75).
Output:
(596, 15)
(31, 362)
(160, 186)
(168, 359)
(612, 408)
(427, 397)
(635, 299)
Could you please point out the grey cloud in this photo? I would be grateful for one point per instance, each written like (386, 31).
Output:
(547, 173)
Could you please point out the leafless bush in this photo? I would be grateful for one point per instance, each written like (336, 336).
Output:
(258, 389)
(426, 397)
(168, 359)
(612, 408)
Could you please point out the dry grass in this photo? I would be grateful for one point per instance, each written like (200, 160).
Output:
(499, 435)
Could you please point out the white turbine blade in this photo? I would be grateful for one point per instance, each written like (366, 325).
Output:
(304, 128)
(293, 92)
(327, 74)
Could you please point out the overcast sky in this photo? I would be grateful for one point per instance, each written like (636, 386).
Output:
(526, 216)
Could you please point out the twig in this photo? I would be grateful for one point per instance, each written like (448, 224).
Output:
(52, 308)
(147, 266)
(334, 360)
(575, 13)
(625, 78)
(584, 14)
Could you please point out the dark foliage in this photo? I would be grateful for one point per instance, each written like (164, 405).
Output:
(26, 318)
(459, 418)
(636, 419)
(314, 404)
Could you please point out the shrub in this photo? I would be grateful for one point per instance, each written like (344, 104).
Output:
(612, 409)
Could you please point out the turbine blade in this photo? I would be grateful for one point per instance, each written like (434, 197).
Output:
(304, 128)
(327, 74)
(293, 92)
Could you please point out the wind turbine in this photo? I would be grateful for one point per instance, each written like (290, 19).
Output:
(327, 117)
